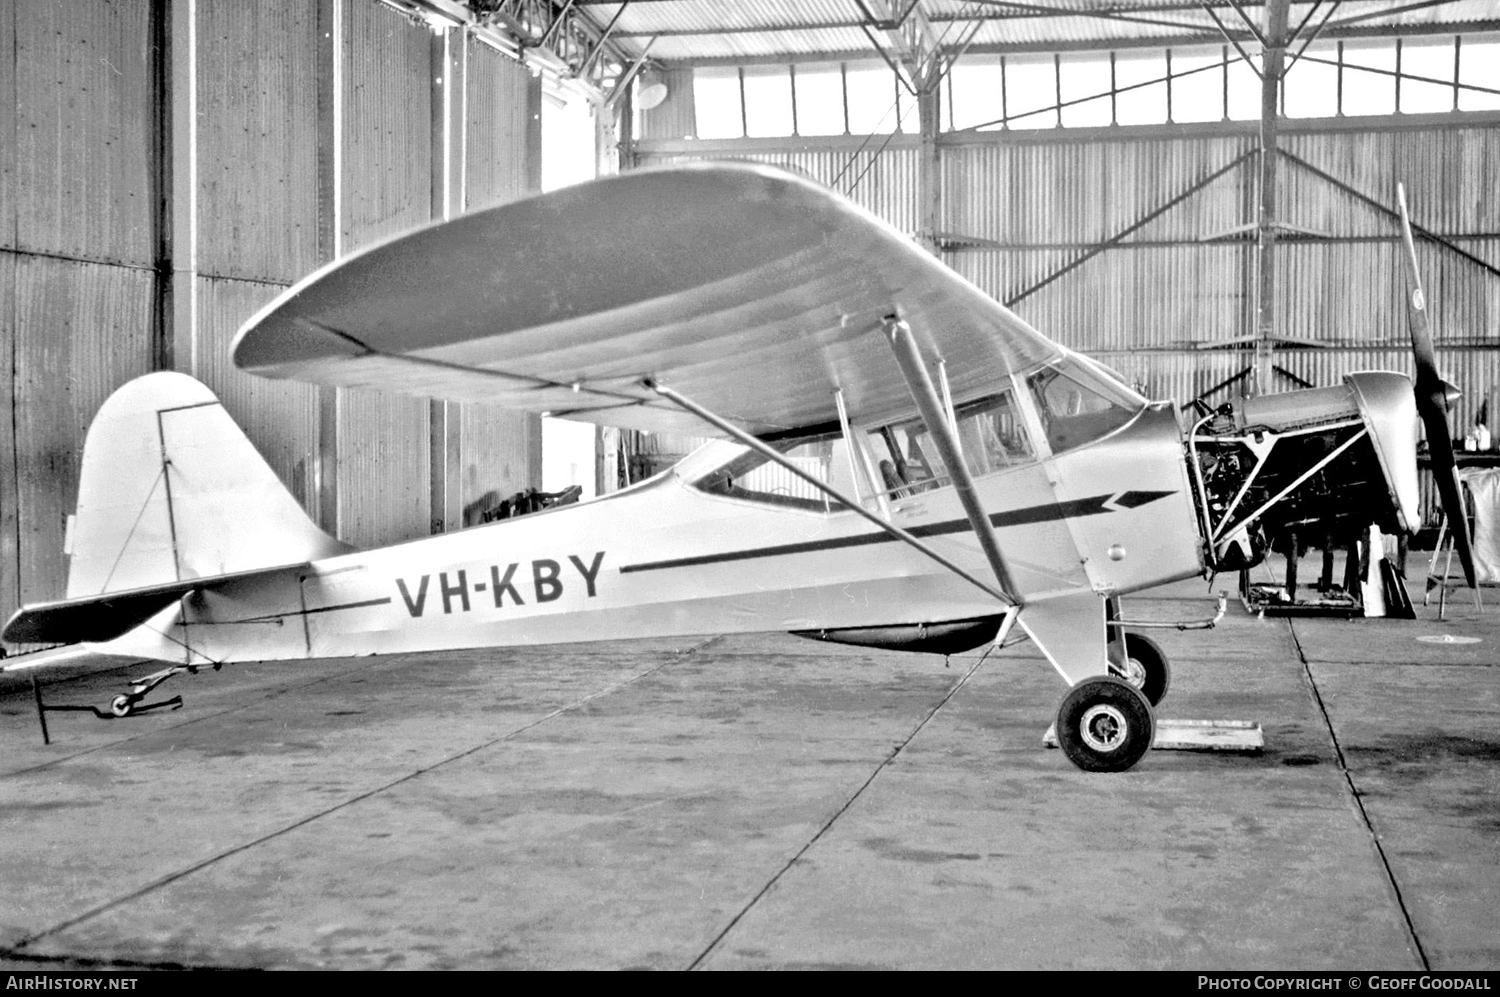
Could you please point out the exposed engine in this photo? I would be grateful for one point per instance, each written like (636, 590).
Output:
(1307, 468)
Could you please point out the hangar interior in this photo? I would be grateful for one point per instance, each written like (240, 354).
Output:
(174, 166)
(1199, 194)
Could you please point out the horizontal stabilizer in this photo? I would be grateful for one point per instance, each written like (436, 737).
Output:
(57, 663)
(93, 619)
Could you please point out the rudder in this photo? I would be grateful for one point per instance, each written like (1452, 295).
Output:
(171, 489)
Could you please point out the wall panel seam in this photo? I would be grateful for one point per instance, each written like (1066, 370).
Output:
(67, 258)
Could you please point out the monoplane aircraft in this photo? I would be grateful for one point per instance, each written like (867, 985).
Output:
(903, 462)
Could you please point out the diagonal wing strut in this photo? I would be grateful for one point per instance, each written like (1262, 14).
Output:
(931, 407)
(781, 460)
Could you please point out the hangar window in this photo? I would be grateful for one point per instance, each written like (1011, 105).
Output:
(1242, 93)
(975, 93)
(1084, 84)
(871, 96)
(1142, 81)
(1128, 86)
(1030, 91)
(1369, 75)
(1311, 88)
(1426, 81)
(819, 92)
(718, 103)
(1198, 83)
(768, 101)
(1478, 59)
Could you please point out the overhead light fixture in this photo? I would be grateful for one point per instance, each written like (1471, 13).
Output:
(650, 91)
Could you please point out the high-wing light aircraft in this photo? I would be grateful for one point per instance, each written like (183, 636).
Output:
(903, 462)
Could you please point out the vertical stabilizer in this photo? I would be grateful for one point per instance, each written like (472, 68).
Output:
(171, 490)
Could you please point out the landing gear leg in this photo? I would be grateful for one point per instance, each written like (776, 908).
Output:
(1144, 665)
(124, 705)
(128, 704)
(1138, 660)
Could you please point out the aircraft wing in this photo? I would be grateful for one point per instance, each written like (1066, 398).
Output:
(751, 290)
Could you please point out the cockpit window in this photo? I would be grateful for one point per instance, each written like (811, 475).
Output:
(990, 433)
(754, 477)
(1078, 403)
(899, 460)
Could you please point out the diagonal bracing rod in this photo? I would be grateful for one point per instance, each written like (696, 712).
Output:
(1124, 233)
(943, 434)
(780, 459)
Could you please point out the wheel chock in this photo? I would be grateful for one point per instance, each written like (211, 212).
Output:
(1196, 735)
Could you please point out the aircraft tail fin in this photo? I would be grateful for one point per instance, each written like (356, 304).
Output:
(171, 490)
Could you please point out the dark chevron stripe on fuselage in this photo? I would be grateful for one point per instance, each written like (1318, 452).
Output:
(1092, 506)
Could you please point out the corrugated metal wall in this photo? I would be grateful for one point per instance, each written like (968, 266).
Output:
(495, 130)
(674, 117)
(1080, 193)
(1018, 210)
(885, 182)
(84, 129)
(500, 451)
(384, 446)
(257, 220)
(10, 549)
(1020, 207)
(257, 140)
(82, 329)
(79, 242)
(84, 280)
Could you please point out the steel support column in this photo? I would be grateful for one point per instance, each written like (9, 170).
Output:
(533, 181)
(332, 70)
(444, 419)
(1272, 61)
(930, 168)
(179, 340)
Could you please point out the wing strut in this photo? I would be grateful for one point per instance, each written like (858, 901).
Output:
(780, 460)
(946, 438)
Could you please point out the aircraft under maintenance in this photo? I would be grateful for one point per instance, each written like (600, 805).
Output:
(904, 463)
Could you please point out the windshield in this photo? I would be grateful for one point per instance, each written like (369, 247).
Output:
(1079, 402)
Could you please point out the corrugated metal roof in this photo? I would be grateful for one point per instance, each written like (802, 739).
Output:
(709, 30)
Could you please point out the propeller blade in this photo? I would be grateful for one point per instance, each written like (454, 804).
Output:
(1433, 396)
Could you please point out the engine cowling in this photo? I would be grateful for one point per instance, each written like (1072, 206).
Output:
(1305, 468)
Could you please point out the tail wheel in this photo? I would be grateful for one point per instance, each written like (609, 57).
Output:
(1105, 725)
(1145, 667)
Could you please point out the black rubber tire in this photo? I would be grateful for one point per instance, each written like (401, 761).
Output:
(1105, 725)
(1156, 673)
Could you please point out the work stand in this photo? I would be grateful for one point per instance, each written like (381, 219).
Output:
(1343, 599)
(1443, 550)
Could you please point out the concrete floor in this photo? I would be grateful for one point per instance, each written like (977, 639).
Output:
(768, 802)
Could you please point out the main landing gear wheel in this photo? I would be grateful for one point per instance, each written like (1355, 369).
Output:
(1145, 667)
(1105, 725)
(122, 706)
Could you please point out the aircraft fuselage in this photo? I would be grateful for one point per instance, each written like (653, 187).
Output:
(666, 558)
